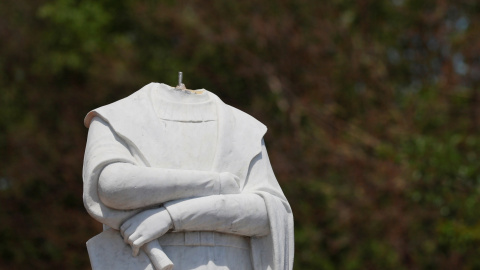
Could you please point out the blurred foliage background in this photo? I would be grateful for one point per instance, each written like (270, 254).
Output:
(373, 109)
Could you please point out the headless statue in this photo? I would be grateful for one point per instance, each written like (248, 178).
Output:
(180, 179)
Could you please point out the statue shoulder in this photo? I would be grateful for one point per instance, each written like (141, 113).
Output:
(130, 105)
(247, 121)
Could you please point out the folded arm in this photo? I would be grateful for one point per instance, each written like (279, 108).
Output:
(127, 186)
(242, 214)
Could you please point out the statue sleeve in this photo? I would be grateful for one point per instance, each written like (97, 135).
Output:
(275, 250)
(103, 147)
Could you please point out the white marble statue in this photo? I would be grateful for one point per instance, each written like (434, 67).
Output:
(178, 176)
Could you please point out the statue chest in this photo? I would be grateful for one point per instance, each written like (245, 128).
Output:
(184, 145)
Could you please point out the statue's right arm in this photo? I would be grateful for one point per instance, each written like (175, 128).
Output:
(128, 186)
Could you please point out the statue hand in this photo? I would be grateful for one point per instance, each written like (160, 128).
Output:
(229, 183)
(144, 227)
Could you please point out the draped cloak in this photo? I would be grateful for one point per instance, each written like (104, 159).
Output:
(239, 147)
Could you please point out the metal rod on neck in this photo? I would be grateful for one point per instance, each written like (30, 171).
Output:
(180, 78)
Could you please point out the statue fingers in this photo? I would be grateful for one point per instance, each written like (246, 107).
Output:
(128, 234)
(136, 245)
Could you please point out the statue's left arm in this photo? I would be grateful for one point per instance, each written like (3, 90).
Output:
(243, 214)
